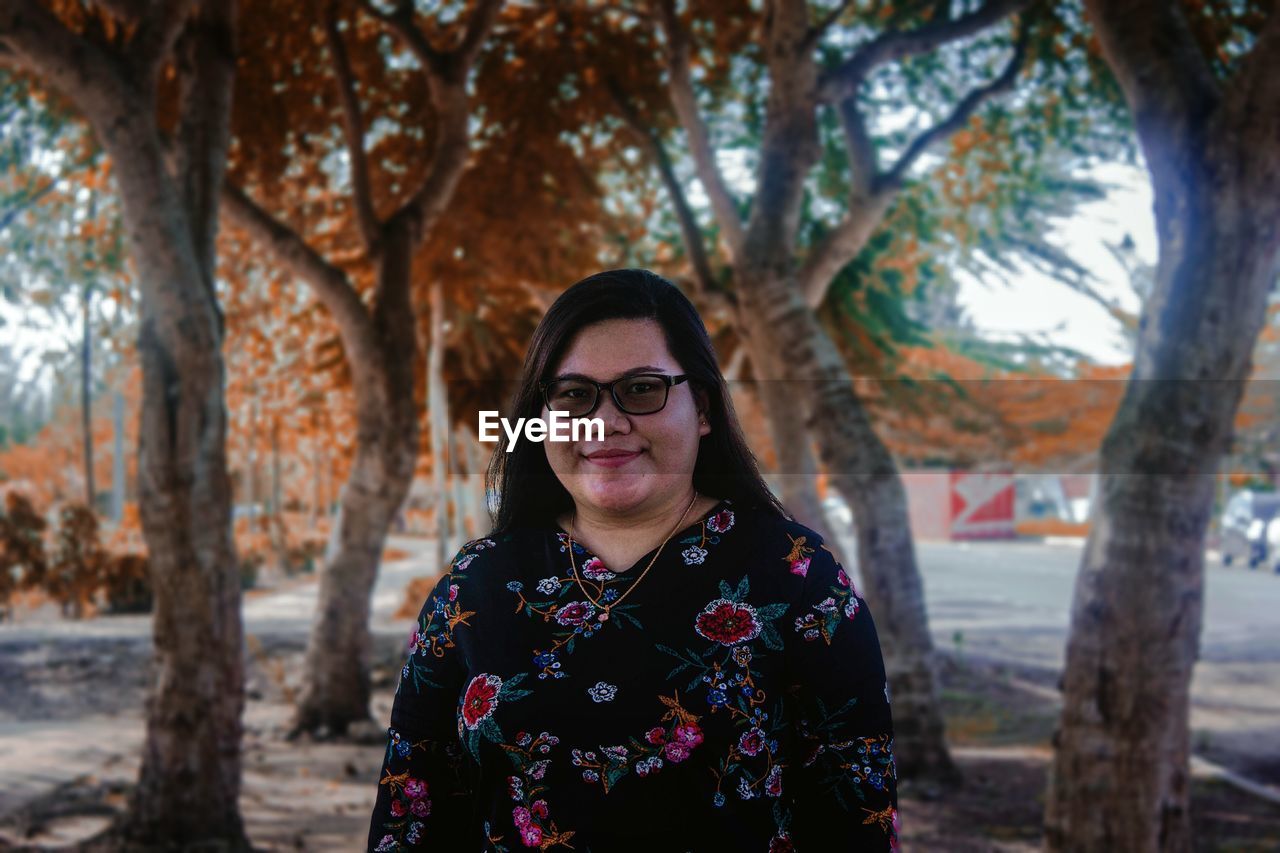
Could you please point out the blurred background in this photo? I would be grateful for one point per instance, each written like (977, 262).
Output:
(923, 236)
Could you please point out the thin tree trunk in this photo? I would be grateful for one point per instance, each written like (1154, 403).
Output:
(863, 472)
(86, 395)
(438, 415)
(1121, 775)
(335, 693)
(118, 469)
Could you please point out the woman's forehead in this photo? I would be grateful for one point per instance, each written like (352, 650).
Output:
(612, 347)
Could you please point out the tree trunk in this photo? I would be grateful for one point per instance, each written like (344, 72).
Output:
(118, 467)
(863, 472)
(86, 395)
(1121, 775)
(335, 691)
(438, 417)
(797, 467)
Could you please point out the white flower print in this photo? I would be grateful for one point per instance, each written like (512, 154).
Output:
(546, 586)
(694, 555)
(602, 691)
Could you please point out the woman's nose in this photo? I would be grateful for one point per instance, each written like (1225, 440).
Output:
(615, 420)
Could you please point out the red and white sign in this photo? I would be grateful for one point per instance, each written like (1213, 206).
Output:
(982, 505)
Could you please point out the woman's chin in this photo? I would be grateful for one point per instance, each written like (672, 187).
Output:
(617, 494)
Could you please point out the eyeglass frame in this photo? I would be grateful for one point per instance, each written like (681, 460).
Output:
(668, 380)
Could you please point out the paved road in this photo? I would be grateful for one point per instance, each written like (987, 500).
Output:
(1011, 601)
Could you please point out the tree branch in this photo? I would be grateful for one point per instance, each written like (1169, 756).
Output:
(453, 109)
(685, 102)
(818, 30)
(963, 111)
(845, 79)
(329, 283)
(158, 30)
(478, 29)
(34, 39)
(353, 131)
(401, 22)
(652, 144)
(842, 244)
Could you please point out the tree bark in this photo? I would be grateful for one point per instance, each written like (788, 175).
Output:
(380, 347)
(86, 394)
(1121, 776)
(335, 691)
(189, 782)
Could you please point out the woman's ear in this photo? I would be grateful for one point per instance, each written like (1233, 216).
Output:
(703, 404)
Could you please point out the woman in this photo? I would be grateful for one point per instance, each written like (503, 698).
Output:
(646, 653)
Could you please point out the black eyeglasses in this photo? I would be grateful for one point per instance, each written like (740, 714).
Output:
(639, 394)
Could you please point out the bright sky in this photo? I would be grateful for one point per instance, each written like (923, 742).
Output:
(1036, 303)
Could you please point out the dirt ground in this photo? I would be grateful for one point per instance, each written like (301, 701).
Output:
(307, 795)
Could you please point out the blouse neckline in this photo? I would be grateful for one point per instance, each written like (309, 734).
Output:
(721, 505)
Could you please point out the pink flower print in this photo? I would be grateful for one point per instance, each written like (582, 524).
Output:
(688, 734)
(656, 736)
(521, 816)
(675, 752)
(538, 769)
(721, 521)
(420, 808)
(842, 578)
(751, 742)
(575, 613)
(773, 782)
(594, 569)
(851, 607)
(415, 789)
(531, 835)
(539, 808)
(453, 592)
(800, 567)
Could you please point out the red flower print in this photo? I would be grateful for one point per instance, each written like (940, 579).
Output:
(751, 742)
(539, 808)
(656, 736)
(481, 699)
(842, 578)
(453, 592)
(728, 622)
(721, 521)
(397, 808)
(575, 613)
(781, 844)
(800, 567)
(688, 734)
(675, 752)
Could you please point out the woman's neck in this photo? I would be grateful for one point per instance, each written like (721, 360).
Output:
(620, 540)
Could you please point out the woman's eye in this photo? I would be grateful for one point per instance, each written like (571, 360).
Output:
(641, 387)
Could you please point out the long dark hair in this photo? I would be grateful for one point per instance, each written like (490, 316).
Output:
(526, 489)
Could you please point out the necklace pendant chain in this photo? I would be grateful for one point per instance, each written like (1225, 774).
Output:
(604, 608)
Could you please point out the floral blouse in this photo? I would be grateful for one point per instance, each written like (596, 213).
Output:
(736, 701)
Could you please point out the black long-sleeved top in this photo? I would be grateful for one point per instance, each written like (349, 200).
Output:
(736, 700)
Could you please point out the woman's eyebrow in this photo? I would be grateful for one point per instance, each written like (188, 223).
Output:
(644, 368)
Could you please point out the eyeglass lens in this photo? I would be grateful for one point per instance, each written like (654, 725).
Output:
(635, 395)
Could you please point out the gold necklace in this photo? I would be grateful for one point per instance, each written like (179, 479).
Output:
(604, 608)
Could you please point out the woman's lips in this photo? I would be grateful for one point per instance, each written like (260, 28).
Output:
(613, 460)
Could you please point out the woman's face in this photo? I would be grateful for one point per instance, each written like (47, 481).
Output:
(662, 447)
